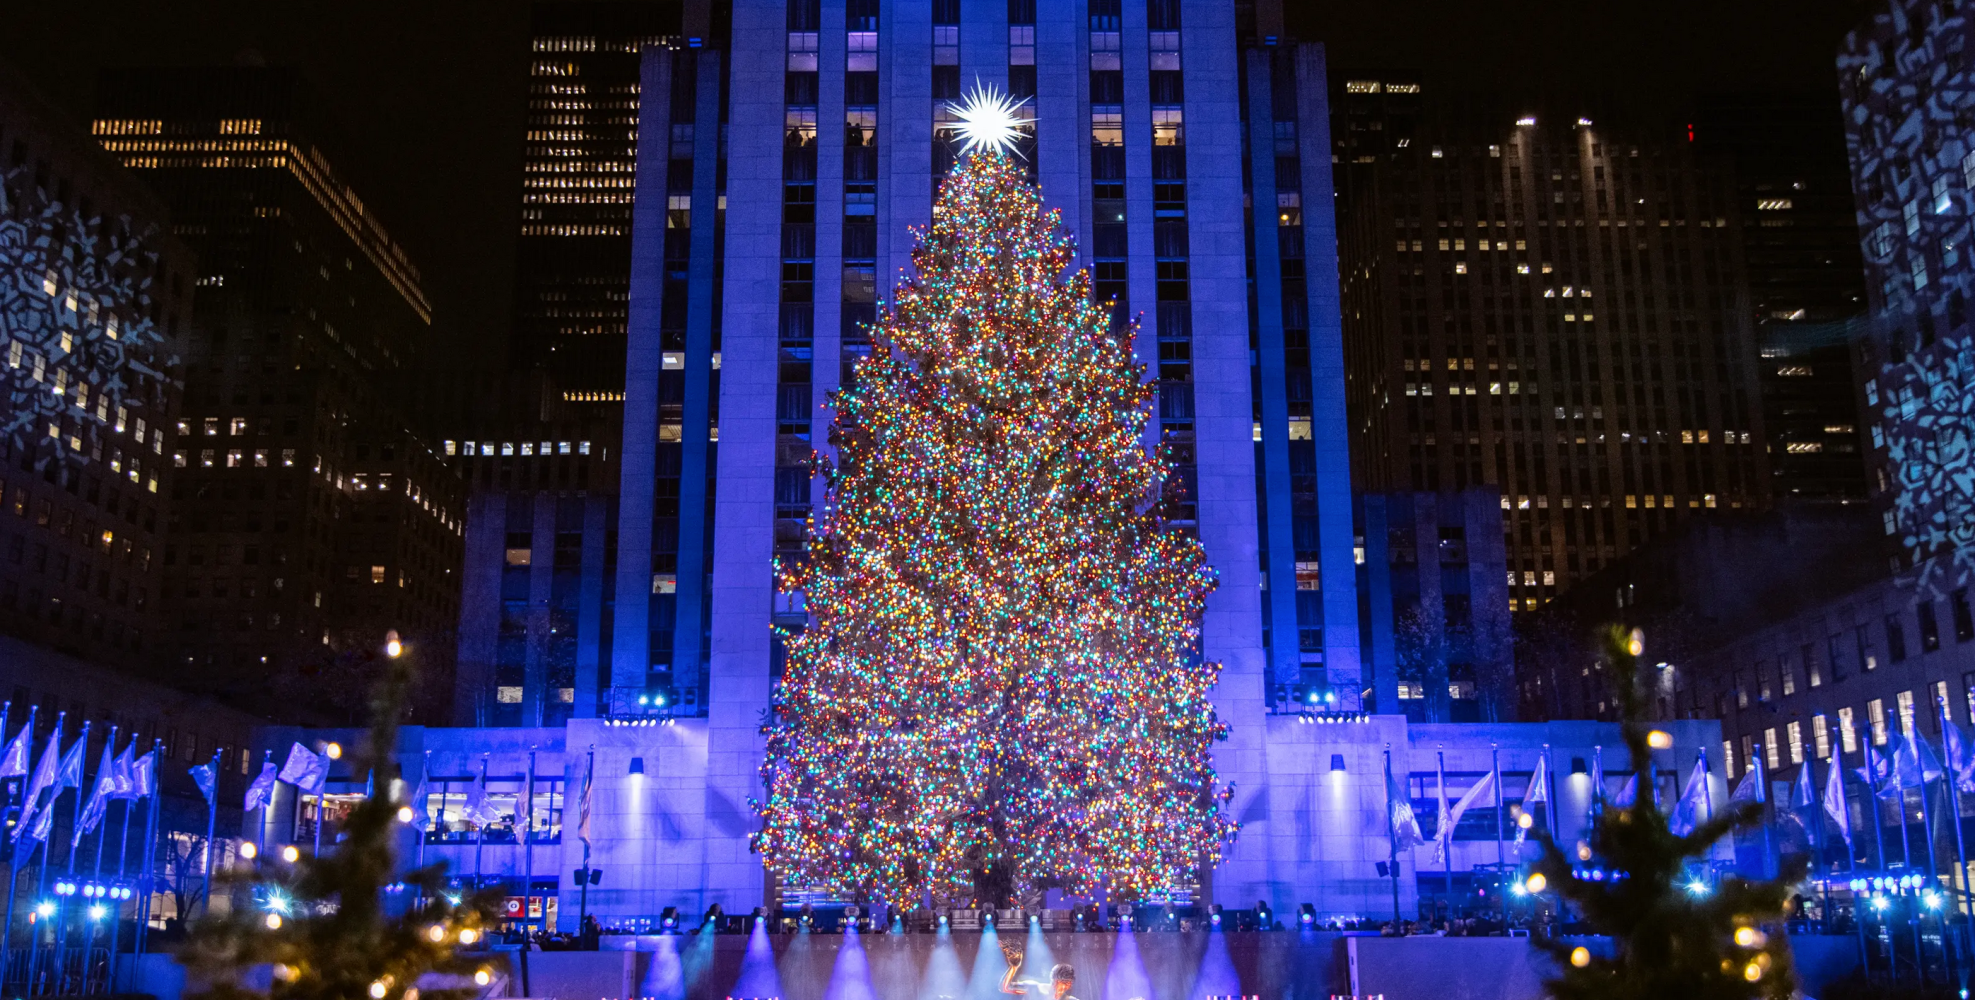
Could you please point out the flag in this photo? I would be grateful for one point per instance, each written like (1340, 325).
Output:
(144, 776)
(583, 808)
(1749, 789)
(13, 763)
(1916, 763)
(1597, 778)
(1803, 798)
(478, 810)
(305, 770)
(1960, 761)
(1834, 801)
(260, 794)
(1877, 772)
(206, 776)
(103, 791)
(1691, 810)
(1538, 791)
(44, 822)
(421, 806)
(122, 782)
(69, 774)
(1454, 818)
(1441, 824)
(1401, 825)
(1628, 793)
(44, 775)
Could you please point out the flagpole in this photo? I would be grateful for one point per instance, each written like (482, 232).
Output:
(1766, 809)
(212, 824)
(1872, 796)
(75, 841)
(1494, 765)
(480, 827)
(1933, 865)
(321, 792)
(1954, 808)
(424, 816)
(1595, 803)
(1391, 840)
(590, 774)
(150, 852)
(1550, 779)
(528, 874)
(1906, 838)
(1446, 831)
(13, 859)
(123, 875)
(267, 802)
(102, 832)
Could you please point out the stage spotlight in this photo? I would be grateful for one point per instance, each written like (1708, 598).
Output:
(1306, 915)
(1265, 918)
(1214, 915)
(668, 920)
(711, 919)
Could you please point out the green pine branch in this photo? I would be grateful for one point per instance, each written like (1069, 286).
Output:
(335, 941)
(1726, 944)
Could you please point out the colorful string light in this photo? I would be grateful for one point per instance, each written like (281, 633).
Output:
(1003, 670)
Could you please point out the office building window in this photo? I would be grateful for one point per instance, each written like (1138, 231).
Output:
(1904, 700)
(1895, 639)
(1847, 731)
(1795, 730)
(1769, 752)
(1930, 629)
(1820, 735)
(1875, 713)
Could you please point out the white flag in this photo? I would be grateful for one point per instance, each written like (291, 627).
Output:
(1692, 809)
(1453, 818)
(305, 769)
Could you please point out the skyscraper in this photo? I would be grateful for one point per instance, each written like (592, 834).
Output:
(308, 520)
(745, 312)
(1903, 77)
(1549, 305)
(579, 165)
(1806, 282)
(95, 302)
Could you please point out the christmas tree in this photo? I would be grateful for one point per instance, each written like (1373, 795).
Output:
(1001, 691)
(1726, 943)
(321, 925)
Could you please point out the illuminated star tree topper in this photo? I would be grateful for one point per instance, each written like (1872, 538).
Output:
(988, 119)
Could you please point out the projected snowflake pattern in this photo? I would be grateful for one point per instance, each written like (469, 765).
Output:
(75, 324)
(1927, 409)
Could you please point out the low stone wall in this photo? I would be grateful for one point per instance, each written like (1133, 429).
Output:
(1285, 965)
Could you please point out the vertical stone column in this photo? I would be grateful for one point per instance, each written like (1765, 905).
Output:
(1328, 424)
(1223, 421)
(744, 511)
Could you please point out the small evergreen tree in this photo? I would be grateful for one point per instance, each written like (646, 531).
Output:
(335, 941)
(1726, 944)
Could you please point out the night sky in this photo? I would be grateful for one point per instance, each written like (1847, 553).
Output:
(431, 93)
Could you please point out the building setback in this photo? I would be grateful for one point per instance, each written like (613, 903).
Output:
(308, 519)
(96, 303)
(1550, 306)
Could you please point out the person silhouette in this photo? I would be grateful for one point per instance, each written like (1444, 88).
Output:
(1062, 978)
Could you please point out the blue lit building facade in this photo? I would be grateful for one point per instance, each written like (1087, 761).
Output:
(784, 153)
(757, 264)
